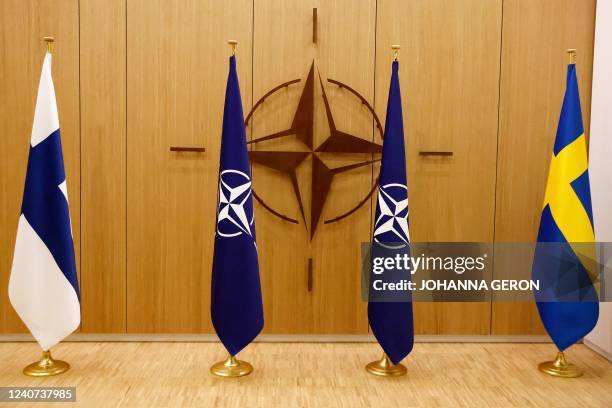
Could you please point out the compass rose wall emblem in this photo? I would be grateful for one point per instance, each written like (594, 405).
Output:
(302, 128)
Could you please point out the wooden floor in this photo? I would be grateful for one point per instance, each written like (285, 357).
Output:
(313, 375)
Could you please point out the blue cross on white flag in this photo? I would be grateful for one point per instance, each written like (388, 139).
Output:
(43, 286)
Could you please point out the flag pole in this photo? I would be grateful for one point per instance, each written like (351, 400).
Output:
(46, 366)
(231, 367)
(560, 367)
(385, 367)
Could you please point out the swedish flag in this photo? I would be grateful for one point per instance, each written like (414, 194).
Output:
(567, 300)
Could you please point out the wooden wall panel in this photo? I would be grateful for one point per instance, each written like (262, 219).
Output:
(535, 37)
(22, 26)
(103, 165)
(345, 52)
(284, 50)
(142, 76)
(449, 75)
(177, 64)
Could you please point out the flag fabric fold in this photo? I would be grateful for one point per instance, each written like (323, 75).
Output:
(392, 322)
(563, 260)
(236, 303)
(43, 286)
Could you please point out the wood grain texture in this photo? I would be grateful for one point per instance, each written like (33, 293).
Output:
(344, 51)
(449, 76)
(144, 220)
(103, 165)
(314, 375)
(23, 24)
(282, 51)
(177, 64)
(536, 35)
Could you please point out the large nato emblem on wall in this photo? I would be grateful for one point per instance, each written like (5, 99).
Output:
(337, 142)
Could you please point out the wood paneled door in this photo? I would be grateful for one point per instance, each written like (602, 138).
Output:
(448, 107)
(22, 26)
(535, 37)
(177, 64)
(103, 165)
(310, 265)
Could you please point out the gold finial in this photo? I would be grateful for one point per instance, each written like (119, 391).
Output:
(49, 41)
(395, 48)
(572, 55)
(233, 44)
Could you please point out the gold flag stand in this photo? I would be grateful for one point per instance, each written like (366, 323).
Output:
(46, 366)
(232, 367)
(385, 368)
(560, 367)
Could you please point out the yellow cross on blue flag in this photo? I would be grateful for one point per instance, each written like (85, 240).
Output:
(567, 300)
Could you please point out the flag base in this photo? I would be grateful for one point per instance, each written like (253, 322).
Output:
(385, 368)
(232, 367)
(46, 367)
(560, 368)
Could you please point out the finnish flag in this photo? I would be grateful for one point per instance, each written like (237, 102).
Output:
(43, 287)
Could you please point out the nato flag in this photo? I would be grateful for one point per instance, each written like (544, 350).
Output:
(391, 322)
(567, 300)
(236, 305)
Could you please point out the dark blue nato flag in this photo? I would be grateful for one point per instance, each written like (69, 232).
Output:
(236, 306)
(391, 322)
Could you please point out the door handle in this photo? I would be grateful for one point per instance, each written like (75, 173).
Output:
(187, 149)
(435, 153)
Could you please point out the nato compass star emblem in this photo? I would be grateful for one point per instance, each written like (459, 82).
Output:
(302, 128)
(391, 225)
(234, 217)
